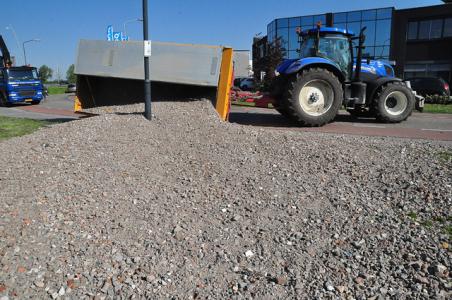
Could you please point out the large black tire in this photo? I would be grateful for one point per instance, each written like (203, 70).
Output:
(3, 101)
(278, 90)
(394, 103)
(315, 97)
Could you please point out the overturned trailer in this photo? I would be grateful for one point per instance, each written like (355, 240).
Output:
(112, 73)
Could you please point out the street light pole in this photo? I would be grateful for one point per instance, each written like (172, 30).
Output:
(23, 47)
(10, 27)
(147, 80)
(130, 21)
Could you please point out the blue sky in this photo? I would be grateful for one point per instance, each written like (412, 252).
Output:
(61, 23)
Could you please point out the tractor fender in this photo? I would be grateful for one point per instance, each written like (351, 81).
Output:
(374, 85)
(309, 62)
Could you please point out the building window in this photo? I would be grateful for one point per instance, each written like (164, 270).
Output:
(340, 18)
(283, 34)
(283, 22)
(369, 15)
(295, 22)
(307, 21)
(377, 21)
(354, 16)
(448, 27)
(413, 70)
(424, 29)
(370, 31)
(436, 29)
(412, 30)
(354, 27)
(340, 25)
(320, 18)
(384, 13)
(383, 34)
(429, 29)
(293, 39)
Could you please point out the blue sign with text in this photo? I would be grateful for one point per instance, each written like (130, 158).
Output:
(115, 36)
(110, 33)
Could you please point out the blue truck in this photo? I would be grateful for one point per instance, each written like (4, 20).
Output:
(19, 84)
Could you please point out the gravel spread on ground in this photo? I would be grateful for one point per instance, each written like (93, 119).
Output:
(187, 206)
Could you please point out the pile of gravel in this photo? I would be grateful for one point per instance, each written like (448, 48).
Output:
(187, 206)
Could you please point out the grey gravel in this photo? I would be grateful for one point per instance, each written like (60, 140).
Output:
(187, 206)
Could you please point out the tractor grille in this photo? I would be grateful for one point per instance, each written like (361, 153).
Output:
(27, 93)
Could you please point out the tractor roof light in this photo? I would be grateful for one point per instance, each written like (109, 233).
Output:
(319, 24)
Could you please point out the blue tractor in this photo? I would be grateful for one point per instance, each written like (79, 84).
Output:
(312, 89)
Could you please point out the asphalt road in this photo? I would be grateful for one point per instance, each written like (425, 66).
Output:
(54, 107)
(418, 126)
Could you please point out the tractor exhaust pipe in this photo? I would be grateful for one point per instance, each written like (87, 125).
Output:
(361, 47)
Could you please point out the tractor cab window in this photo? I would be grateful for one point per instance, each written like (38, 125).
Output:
(337, 49)
(332, 47)
(307, 47)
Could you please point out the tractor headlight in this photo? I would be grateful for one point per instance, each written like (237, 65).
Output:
(13, 94)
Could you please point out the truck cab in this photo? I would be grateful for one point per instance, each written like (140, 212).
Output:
(20, 85)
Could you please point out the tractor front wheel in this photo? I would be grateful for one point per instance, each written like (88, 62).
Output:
(394, 103)
(278, 90)
(315, 97)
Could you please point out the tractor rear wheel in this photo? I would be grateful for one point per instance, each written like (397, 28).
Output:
(315, 97)
(394, 103)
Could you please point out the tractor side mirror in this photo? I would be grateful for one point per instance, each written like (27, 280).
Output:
(362, 36)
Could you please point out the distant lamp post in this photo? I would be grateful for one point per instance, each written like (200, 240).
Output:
(130, 21)
(10, 27)
(23, 46)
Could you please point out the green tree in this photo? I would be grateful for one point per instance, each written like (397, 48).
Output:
(274, 56)
(45, 73)
(70, 76)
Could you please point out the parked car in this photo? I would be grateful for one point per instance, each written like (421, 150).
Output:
(71, 88)
(237, 81)
(247, 84)
(430, 86)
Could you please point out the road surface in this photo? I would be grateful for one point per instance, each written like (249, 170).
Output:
(54, 107)
(418, 126)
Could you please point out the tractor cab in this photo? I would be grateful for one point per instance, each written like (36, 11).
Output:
(330, 43)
